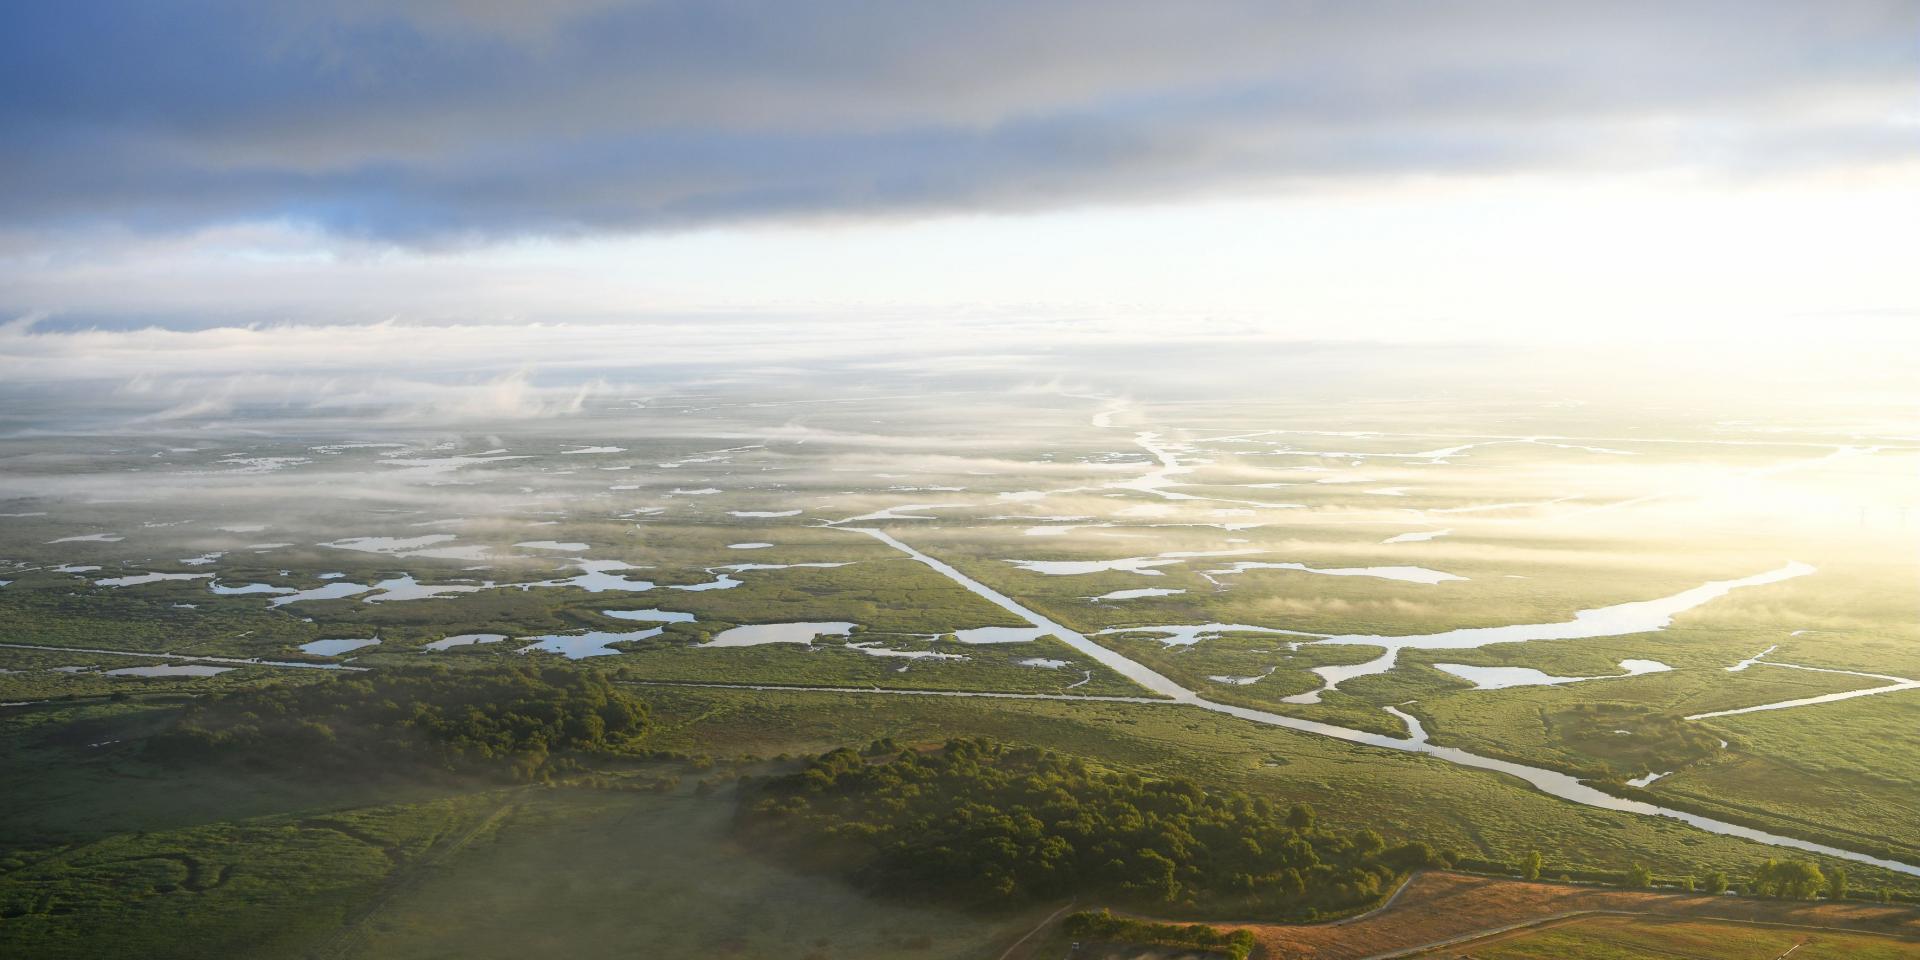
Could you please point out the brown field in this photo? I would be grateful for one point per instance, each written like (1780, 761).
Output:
(1643, 937)
(1438, 906)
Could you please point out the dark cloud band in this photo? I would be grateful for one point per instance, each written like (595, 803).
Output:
(485, 118)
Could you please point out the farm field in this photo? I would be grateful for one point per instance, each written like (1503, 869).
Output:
(1577, 921)
(1629, 938)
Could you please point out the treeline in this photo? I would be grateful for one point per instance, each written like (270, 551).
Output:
(1787, 879)
(520, 720)
(987, 823)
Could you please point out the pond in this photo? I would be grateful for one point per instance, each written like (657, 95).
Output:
(1137, 594)
(756, 634)
(1402, 574)
(1501, 678)
(579, 646)
(999, 634)
(334, 648)
(649, 616)
(465, 639)
(170, 670)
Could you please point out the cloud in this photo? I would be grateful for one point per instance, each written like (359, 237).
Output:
(418, 374)
(451, 119)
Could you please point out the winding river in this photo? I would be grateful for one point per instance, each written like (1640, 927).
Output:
(1547, 781)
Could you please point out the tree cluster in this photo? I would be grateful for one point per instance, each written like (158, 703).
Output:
(988, 823)
(1792, 879)
(522, 720)
(1105, 926)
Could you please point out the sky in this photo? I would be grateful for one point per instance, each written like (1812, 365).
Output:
(195, 187)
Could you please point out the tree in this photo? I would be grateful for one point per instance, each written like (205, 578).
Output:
(1639, 877)
(1369, 842)
(1837, 883)
(1300, 817)
(1803, 880)
(1794, 879)
(1154, 874)
(1717, 882)
(1530, 867)
(1412, 856)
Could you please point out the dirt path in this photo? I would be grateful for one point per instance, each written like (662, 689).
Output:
(1030, 934)
(1483, 935)
(1392, 898)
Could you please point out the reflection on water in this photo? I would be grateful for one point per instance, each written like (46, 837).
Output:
(872, 648)
(464, 639)
(1621, 619)
(1136, 594)
(1501, 678)
(1044, 663)
(649, 616)
(755, 634)
(1403, 574)
(333, 648)
(999, 634)
(170, 670)
(579, 646)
